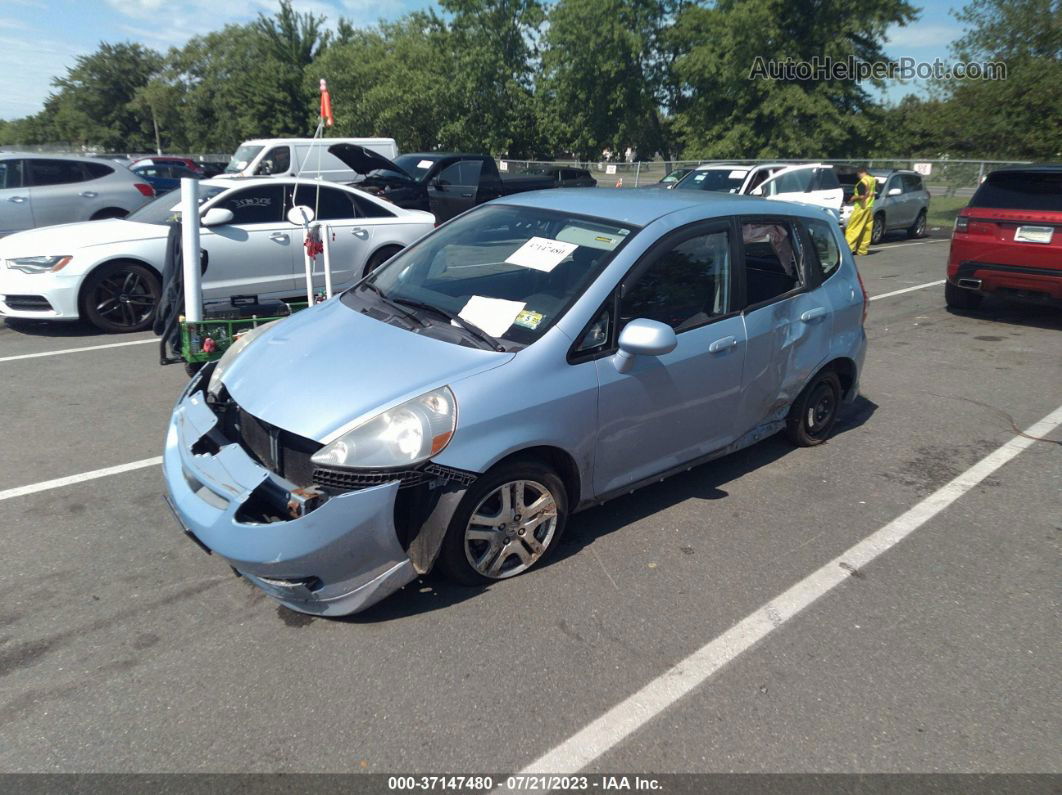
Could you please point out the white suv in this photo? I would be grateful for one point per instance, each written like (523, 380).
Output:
(807, 183)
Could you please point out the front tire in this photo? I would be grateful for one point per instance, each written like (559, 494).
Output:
(507, 522)
(877, 231)
(918, 229)
(814, 413)
(958, 298)
(121, 297)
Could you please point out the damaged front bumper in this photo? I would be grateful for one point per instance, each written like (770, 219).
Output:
(340, 556)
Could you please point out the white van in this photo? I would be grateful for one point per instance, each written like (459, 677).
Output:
(301, 157)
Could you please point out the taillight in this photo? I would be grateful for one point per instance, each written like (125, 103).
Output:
(145, 189)
(962, 223)
(866, 298)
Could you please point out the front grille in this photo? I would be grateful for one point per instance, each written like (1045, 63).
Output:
(279, 451)
(348, 480)
(28, 303)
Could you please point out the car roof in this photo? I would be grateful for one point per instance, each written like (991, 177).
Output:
(1026, 167)
(51, 155)
(641, 207)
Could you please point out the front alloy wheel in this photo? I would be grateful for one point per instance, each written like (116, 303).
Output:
(122, 297)
(510, 529)
(877, 231)
(507, 522)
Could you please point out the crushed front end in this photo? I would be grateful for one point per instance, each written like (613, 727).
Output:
(319, 540)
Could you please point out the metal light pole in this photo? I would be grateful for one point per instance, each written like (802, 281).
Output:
(193, 274)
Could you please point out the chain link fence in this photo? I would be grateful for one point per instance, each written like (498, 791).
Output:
(942, 176)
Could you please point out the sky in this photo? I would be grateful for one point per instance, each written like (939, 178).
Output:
(39, 39)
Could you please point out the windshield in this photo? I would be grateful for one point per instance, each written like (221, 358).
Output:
(168, 206)
(724, 180)
(243, 157)
(512, 272)
(675, 175)
(417, 165)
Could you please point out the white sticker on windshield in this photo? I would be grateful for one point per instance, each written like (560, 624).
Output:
(493, 315)
(541, 253)
(425, 164)
(737, 174)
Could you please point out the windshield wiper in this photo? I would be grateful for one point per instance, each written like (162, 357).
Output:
(493, 343)
(391, 302)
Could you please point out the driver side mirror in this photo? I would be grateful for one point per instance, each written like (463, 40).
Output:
(894, 192)
(643, 337)
(217, 216)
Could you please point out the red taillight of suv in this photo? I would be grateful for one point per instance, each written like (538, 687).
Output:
(145, 189)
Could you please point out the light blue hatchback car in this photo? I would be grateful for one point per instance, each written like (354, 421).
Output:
(534, 356)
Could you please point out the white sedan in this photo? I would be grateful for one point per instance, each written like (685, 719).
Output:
(108, 272)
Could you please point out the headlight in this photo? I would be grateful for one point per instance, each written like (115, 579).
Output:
(407, 434)
(39, 264)
(230, 355)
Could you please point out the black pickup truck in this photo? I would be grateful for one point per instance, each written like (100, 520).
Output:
(443, 183)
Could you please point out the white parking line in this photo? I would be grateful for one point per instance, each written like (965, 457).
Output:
(917, 243)
(937, 283)
(75, 350)
(69, 480)
(634, 712)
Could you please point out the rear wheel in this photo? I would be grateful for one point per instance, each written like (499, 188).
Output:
(958, 298)
(507, 522)
(918, 228)
(121, 297)
(877, 231)
(813, 415)
(379, 258)
(110, 212)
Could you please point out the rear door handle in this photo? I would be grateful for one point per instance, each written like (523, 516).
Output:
(725, 344)
(466, 195)
(813, 314)
(18, 199)
(359, 232)
(280, 237)
(88, 194)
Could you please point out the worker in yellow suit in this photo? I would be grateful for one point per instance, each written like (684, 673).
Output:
(861, 222)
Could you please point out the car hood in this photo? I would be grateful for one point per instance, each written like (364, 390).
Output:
(362, 160)
(326, 369)
(65, 238)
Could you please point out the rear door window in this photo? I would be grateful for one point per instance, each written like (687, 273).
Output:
(1021, 190)
(772, 260)
(330, 204)
(54, 172)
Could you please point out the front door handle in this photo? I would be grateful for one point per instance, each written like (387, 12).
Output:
(725, 344)
(18, 199)
(88, 194)
(280, 237)
(813, 314)
(466, 195)
(359, 232)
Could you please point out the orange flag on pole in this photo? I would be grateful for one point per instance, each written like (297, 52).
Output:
(326, 104)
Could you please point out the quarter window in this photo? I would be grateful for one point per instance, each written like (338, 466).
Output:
(10, 173)
(686, 286)
(259, 205)
(772, 260)
(824, 245)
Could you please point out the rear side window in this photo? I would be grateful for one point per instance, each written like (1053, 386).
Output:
(97, 170)
(1021, 190)
(333, 205)
(686, 286)
(10, 174)
(772, 260)
(258, 205)
(824, 247)
(54, 172)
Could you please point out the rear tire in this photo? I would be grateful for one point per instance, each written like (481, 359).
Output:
(877, 231)
(918, 229)
(508, 535)
(958, 298)
(121, 297)
(379, 258)
(814, 413)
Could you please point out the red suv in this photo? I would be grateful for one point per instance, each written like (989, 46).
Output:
(1008, 241)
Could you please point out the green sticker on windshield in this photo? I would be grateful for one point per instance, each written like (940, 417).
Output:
(528, 319)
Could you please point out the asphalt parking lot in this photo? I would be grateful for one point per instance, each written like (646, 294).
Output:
(124, 648)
